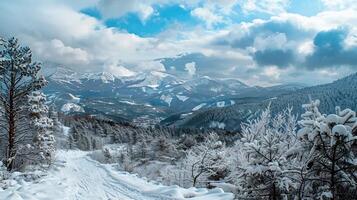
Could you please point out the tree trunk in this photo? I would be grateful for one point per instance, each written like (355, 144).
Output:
(194, 181)
(274, 195)
(12, 127)
(333, 172)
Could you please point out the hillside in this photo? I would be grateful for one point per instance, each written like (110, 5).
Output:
(342, 92)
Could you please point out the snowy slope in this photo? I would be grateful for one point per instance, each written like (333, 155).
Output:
(77, 176)
(71, 107)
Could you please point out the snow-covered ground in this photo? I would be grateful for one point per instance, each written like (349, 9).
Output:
(75, 175)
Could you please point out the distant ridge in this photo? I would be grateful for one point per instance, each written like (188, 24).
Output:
(342, 92)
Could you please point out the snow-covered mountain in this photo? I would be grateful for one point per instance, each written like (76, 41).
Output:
(152, 94)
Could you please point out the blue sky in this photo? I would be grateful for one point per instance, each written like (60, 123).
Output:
(260, 42)
(174, 13)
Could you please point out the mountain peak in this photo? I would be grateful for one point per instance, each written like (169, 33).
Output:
(105, 77)
(64, 74)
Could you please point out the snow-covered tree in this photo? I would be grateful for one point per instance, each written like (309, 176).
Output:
(18, 78)
(44, 141)
(163, 148)
(261, 170)
(327, 141)
(143, 148)
(53, 114)
(206, 160)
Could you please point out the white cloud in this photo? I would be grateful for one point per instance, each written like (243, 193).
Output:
(340, 4)
(61, 35)
(272, 7)
(118, 8)
(60, 51)
(191, 68)
(272, 72)
(150, 65)
(145, 12)
(207, 16)
(118, 70)
(55, 51)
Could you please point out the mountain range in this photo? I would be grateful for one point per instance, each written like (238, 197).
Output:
(149, 97)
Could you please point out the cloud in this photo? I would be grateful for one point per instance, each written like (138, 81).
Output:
(60, 35)
(118, 8)
(265, 6)
(280, 48)
(58, 52)
(150, 65)
(118, 70)
(207, 16)
(213, 65)
(272, 73)
(272, 41)
(330, 50)
(340, 4)
(244, 35)
(277, 57)
(190, 68)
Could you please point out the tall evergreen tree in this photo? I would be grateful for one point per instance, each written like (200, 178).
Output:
(18, 78)
(44, 140)
(263, 169)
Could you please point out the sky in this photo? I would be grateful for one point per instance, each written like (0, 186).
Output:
(260, 42)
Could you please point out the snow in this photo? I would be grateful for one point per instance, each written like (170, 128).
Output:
(120, 71)
(341, 130)
(74, 99)
(198, 107)
(221, 104)
(104, 102)
(105, 77)
(215, 124)
(182, 98)
(66, 130)
(76, 176)
(216, 89)
(129, 102)
(185, 115)
(166, 98)
(152, 79)
(65, 75)
(71, 107)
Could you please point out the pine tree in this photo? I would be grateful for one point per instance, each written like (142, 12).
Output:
(44, 140)
(262, 171)
(331, 162)
(18, 78)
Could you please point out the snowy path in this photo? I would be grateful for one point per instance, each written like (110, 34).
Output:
(77, 176)
(85, 178)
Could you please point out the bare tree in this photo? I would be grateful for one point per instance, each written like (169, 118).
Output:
(206, 159)
(18, 78)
